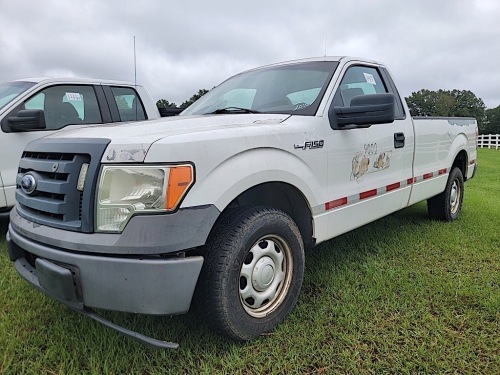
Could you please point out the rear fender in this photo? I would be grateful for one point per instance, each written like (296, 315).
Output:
(459, 144)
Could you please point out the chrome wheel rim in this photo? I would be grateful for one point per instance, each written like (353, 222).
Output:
(265, 276)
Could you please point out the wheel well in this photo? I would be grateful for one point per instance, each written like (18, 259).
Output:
(461, 162)
(283, 197)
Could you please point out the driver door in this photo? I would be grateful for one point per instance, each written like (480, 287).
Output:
(368, 167)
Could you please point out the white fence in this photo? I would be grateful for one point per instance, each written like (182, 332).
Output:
(489, 141)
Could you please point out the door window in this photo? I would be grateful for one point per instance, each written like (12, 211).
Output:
(36, 102)
(66, 105)
(129, 105)
(359, 80)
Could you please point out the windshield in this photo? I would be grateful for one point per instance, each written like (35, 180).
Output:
(290, 89)
(10, 90)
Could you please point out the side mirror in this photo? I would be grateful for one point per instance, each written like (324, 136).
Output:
(27, 119)
(167, 112)
(364, 111)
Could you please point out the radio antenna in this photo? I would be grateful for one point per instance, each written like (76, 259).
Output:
(326, 39)
(134, 102)
(135, 65)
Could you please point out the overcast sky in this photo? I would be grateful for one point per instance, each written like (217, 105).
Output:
(183, 46)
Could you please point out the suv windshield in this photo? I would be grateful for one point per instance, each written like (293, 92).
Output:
(290, 89)
(10, 90)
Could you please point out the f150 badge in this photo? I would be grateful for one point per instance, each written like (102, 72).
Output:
(310, 145)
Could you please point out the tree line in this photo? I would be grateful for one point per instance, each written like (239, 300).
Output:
(448, 103)
(162, 103)
(455, 103)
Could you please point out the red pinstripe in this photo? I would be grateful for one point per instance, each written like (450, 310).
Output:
(336, 203)
(373, 192)
(367, 194)
(394, 186)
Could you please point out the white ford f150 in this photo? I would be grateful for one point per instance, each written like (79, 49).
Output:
(220, 202)
(35, 107)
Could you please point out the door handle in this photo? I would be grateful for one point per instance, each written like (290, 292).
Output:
(399, 140)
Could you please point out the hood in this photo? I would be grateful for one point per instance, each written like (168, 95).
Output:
(131, 141)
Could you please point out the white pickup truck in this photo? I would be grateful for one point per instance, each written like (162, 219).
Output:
(35, 107)
(220, 202)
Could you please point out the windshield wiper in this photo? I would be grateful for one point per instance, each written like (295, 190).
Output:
(232, 110)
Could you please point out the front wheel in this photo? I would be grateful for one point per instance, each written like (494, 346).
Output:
(253, 272)
(447, 205)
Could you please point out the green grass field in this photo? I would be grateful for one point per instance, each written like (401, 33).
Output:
(401, 295)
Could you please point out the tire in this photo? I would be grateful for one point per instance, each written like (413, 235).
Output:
(253, 272)
(447, 205)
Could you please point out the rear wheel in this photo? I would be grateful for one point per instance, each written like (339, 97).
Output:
(253, 272)
(447, 205)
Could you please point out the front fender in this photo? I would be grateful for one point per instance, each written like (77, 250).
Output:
(252, 167)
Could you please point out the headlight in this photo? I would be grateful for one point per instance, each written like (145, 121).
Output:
(126, 190)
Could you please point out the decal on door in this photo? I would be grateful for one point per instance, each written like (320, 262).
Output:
(369, 160)
(360, 164)
(383, 160)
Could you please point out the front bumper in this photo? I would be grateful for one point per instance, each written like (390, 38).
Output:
(120, 280)
(139, 270)
(142, 270)
(130, 284)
